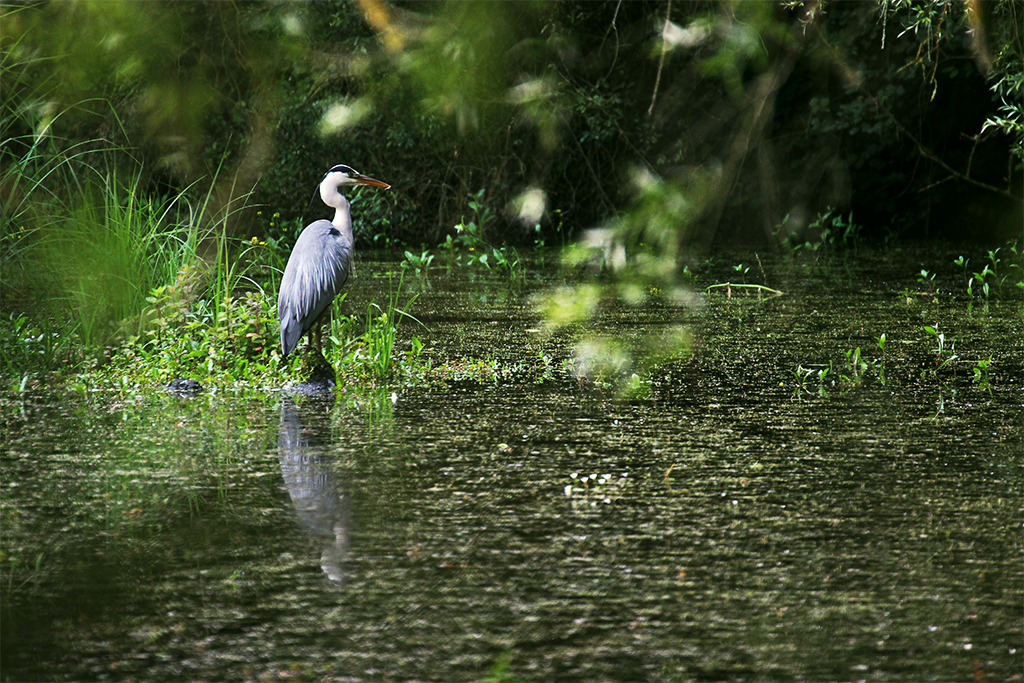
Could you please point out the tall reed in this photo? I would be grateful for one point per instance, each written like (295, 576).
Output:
(374, 349)
(86, 251)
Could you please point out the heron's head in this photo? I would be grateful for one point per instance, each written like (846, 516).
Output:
(342, 176)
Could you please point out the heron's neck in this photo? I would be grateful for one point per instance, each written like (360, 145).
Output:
(342, 216)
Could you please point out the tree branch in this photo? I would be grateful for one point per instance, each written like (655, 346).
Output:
(927, 153)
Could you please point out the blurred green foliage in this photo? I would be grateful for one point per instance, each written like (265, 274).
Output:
(797, 106)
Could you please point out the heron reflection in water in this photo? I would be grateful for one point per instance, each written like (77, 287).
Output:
(319, 498)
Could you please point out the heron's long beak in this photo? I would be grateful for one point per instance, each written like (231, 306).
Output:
(367, 180)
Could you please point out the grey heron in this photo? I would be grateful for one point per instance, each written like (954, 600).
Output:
(320, 262)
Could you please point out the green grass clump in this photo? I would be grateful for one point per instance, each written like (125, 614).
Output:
(468, 249)
(829, 231)
(216, 342)
(105, 283)
(81, 248)
(367, 347)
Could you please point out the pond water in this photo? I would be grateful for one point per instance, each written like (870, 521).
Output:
(738, 523)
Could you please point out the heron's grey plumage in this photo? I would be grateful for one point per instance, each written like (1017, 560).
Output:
(310, 285)
(320, 263)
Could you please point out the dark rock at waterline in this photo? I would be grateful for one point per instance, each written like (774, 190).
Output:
(188, 387)
(310, 388)
(320, 376)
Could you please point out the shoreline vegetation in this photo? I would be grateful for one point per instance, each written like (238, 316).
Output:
(138, 295)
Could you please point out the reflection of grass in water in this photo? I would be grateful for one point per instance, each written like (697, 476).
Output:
(500, 671)
(198, 466)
